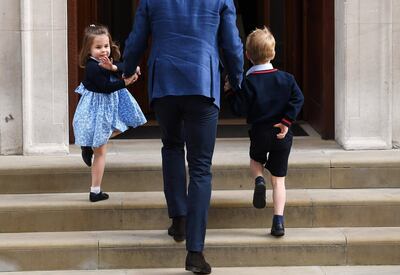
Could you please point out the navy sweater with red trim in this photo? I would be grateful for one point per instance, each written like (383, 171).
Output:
(98, 80)
(267, 97)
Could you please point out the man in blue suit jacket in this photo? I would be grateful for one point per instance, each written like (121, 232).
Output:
(184, 70)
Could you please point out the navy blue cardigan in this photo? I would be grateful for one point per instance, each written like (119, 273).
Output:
(267, 97)
(97, 79)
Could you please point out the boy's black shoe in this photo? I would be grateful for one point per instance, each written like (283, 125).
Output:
(93, 197)
(259, 194)
(87, 154)
(178, 228)
(196, 263)
(277, 229)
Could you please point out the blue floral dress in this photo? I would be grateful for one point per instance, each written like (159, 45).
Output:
(98, 115)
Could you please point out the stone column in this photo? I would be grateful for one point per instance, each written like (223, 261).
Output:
(363, 74)
(44, 76)
(10, 79)
(396, 73)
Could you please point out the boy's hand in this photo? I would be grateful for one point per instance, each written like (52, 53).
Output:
(283, 132)
(107, 64)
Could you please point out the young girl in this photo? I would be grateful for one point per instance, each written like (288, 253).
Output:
(105, 108)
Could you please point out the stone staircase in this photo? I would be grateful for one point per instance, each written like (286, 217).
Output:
(342, 214)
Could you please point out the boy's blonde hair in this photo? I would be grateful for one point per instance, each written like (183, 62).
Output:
(260, 46)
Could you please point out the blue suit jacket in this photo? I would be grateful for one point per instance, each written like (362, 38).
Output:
(187, 37)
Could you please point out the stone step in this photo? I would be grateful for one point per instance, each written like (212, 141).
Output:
(136, 166)
(224, 248)
(229, 209)
(279, 270)
(127, 177)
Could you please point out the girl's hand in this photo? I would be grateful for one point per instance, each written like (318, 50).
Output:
(107, 64)
(128, 81)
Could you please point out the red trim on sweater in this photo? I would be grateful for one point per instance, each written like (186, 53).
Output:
(287, 121)
(265, 71)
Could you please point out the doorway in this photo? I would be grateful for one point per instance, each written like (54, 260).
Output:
(304, 33)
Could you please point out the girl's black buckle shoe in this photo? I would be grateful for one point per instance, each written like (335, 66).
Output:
(93, 197)
(87, 154)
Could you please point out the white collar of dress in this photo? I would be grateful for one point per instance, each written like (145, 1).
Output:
(260, 67)
(94, 59)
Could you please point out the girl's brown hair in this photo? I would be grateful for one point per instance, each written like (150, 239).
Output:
(88, 37)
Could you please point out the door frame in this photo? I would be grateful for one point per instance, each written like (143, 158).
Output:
(79, 16)
(296, 59)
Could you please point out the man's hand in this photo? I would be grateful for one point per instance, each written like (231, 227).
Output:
(284, 129)
(138, 72)
(227, 85)
(132, 78)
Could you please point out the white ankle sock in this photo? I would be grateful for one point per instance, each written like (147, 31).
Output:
(95, 189)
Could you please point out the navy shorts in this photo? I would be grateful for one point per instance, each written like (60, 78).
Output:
(270, 151)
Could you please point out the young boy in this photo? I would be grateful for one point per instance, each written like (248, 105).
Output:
(271, 101)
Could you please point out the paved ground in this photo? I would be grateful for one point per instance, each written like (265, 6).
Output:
(307, 270)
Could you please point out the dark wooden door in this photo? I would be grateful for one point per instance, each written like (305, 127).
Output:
(305, 47)
(304, 34)
(318, 65)
(293, 37)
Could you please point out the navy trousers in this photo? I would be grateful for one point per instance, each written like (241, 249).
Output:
(190, 121)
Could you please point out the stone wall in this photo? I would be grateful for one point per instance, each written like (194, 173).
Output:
(10, 78)
(34, 77)
(44, 76)
(396, 73)
(363, 74)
